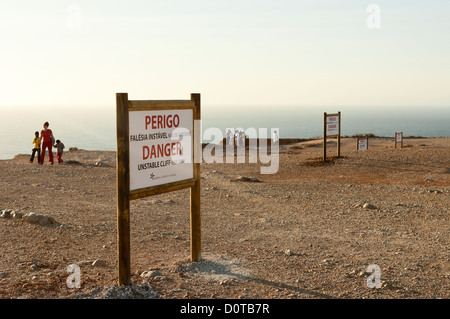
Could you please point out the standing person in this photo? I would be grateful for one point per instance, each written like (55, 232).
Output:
(47, 142)
(275, 137)
(231, 141)
(228, 137)
(37, 147)
(59, 146)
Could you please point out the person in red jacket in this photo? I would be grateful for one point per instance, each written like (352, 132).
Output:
(47, 142)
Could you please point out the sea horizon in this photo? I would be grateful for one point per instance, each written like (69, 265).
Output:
(94, 128)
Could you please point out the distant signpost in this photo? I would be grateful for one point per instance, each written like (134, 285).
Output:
(157, 152)
(362, 143)
(331, 128)
(399, 139)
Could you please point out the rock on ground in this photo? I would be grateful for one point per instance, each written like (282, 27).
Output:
(40, 219)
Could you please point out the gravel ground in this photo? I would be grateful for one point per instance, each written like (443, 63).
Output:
(309, 231)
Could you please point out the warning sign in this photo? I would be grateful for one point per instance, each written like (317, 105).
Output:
(332, 125)
(161, 147)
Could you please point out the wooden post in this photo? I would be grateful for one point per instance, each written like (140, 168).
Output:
(195, 190)
(325, 136)
(339, 137)
(123, 189)
(401, 143)
(367, 142)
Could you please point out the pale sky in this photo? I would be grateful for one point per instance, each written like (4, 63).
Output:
(233, 52)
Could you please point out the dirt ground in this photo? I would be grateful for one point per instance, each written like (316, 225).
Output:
(303, 232)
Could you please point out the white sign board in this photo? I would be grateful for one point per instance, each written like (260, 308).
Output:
(362, 145)
(332, 125)
(161, 147)
(399, 137)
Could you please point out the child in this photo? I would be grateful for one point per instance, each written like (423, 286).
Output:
(37, 147)
(59, 146)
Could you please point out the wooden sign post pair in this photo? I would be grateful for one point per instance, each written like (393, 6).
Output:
(331, 128)
(158, 151)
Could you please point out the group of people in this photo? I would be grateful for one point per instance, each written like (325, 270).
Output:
(237, 138)
(46, 141)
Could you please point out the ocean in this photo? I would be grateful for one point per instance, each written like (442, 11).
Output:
(94, 128)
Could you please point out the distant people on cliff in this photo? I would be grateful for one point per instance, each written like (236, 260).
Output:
(229, 138)
(37, 148)
(242, 138)
(275, 137)
(47, 141)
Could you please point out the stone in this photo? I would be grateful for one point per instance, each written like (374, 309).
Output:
(364, 273)
(99, 263)
(151, 273)
(32, 218)
(247, 179)
(288, 252)
(369, 206)
(158, 278)
(6, 213)
(101, 164)
(17, 215)
(326, 262)
(47, 220)
(40, 219)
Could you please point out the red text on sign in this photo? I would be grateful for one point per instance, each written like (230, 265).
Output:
(162, 121)
(161, 150)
